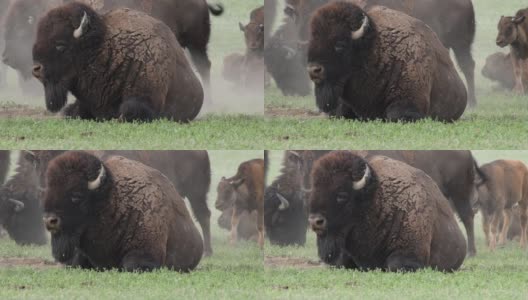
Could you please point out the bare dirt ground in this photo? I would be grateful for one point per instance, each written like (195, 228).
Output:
(36, 263)
(299, 113)
(296, 262)
(11, 111)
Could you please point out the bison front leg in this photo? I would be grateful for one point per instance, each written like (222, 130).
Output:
(524, 223)
(137, 261)
(505, 226)
(403, 263)
(518, 71)
(405, 112)
(235, 219)
(494, 228)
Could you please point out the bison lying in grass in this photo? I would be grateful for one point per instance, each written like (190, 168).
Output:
(124, 64)
(363, 68)
(381, 214)
(499, 68)
(117, 214)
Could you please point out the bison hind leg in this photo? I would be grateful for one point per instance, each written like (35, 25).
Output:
(136, 109)
(403, 263)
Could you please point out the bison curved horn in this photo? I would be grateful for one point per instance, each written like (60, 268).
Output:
(19, 205)
(356, 35)
(93, 185)
(80, 31)
(284, 202)
(358, 185)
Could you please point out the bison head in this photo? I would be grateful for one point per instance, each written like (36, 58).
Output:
(508, 30)
(227, 192)
(340, 37)
(78, 187)
(20, 31)
(40, 159)
(9, 208)
(68, 37)
(254, 35)
(342, 185)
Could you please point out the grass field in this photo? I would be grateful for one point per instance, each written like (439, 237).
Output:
(295, 273)
(231, 273)
(499, 122)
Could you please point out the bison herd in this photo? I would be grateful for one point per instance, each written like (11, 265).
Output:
(125, 209)
(389, 59)
(395, 210)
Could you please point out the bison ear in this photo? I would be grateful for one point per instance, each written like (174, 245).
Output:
(519, 20)
(360, 32)
(242, 27)
(83, 26)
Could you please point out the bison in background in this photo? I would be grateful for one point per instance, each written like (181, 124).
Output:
(3, 70)
(247, 227)
(499, 68)
(20, 209)
(244, 192)
(132, 66)
(355, 59)
(507, 186)
(5, 156)
(381, 214)
(117, 214)
(513, 32)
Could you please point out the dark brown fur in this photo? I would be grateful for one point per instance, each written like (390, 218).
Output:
(244, 192)
(398, 220)
(392, 75)
(133, 219)
(507, 186)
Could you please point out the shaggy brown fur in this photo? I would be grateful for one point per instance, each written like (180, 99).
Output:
(247, 227)
(382, 213)
(125, 65)
(365, 77)
(507, 185)
(513, 31)
(499, 68)
(244, 192)
(131, 218)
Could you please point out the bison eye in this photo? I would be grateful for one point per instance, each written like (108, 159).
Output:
(60, 48)
(342, 197)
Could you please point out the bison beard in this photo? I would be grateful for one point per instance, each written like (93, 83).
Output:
(331, 250)
(328, 97)
(56, 96)
(63, 247)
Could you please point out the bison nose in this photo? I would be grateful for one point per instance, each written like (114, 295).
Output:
(317, 222)
(500, 42)
(316, 72)
(37, 71)
(52, 223)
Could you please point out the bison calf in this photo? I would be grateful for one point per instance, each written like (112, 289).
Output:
(247, 227)
(124, 64)
(381, 213)
(499, 68)
(117, 214)
(364, 68)
(244, 192)
(507, 186)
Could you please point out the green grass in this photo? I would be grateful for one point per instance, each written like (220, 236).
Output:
(231, 273)
(499, 122)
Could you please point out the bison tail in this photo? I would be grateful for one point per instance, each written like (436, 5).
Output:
(216, 9)
(480, 176)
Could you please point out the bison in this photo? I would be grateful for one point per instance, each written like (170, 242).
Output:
(3, 8)
(189, 172)
(189, 20)
(507, 186)
(381, 214)
(244, 192)
(124, 64)
(20, 209)
(117, 214)
(254, 32)
(270, 13)
(513, 31)
(247, 227)
(499, 68)
(5, 156)
(363, 69)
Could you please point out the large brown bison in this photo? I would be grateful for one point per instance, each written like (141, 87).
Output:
(117, 214)
(5, 156)
(499, 68)
(124, 64)
(455, 172)
(244, 192)
(189, 172)
(188, 19)
(381, 214)
(20, 209)
(364, 69)
(507, 186)
(513, 32)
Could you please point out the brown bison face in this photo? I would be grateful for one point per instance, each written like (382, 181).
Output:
(340, 33)
(342, 185)
(77, 187)
(508, 31)
(254, 35)
(226, 193)
(67, 39)
(20, 32)
(9, 208)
